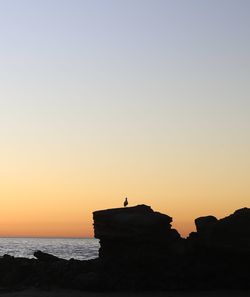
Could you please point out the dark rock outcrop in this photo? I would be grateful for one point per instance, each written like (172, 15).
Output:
(203, 224)
(232, 232)
(140, 251)
(220, 252)
(133, 233)
(47, 273)
(45, 257)
(138, 248)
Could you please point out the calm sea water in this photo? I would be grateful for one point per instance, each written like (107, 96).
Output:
(66, 248)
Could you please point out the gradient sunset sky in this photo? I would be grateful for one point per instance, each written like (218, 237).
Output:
(103, 99)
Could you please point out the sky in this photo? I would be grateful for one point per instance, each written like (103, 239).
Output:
(103, 99)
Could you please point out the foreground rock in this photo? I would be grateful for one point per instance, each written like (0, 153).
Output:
(138, 247)
(140, 251)
(133, 234)
(232, 232)
(45, 257)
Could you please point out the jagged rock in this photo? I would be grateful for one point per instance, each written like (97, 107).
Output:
(45, 257)
(140, 251)
(133, 232)
(234, 230)
(203, 224)
(139, 223)
(230, 232)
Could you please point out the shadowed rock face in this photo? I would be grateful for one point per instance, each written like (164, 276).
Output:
(133, 231)
(140, 251)
(230, 232)
(204, 224)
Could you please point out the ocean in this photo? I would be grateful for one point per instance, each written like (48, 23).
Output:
(66, 248)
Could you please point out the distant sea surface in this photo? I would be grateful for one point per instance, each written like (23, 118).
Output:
(66, 248)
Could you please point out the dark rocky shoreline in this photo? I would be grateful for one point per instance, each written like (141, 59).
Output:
(140, 251)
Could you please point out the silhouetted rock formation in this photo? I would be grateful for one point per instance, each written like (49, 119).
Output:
(45, 257)
(48, 272)
(232, 232)
(140, 251)
(137, 244)
(220, 251)
(133, 233)
(203, 224)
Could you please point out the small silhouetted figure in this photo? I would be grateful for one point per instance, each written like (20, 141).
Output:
(125, 202)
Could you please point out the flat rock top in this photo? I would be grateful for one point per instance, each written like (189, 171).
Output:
(142, 208)
(134, 222)
(140, 214)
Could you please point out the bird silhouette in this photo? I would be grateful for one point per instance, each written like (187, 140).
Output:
(125, 202)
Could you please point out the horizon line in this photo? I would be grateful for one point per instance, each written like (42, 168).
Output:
(48, 237)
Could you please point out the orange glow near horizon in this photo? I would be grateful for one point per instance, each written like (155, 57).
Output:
(60, 204)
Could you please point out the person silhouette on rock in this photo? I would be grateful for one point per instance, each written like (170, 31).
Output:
(125, 202)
